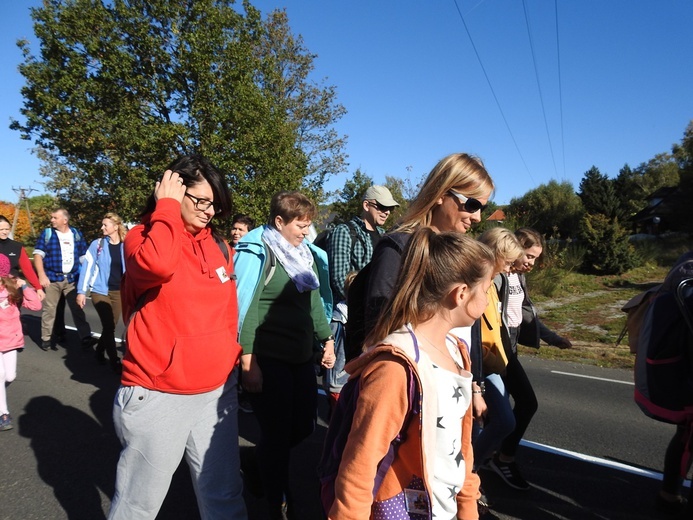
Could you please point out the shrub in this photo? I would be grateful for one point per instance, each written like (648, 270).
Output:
(608, 250)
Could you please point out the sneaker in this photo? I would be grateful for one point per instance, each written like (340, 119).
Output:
(45, 345)
(5, 422)
(484, 498)
(670, 507)
(482, 508)
(510, 474)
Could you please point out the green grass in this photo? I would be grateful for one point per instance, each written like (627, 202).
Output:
(609, 357)
(587, 308)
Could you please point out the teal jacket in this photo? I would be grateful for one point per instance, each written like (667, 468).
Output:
(249, 265)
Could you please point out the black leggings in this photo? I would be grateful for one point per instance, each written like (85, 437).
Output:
(672, 479)
(286, 411)
(519, 387)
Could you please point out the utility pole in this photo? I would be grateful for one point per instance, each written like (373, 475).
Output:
(22, 193)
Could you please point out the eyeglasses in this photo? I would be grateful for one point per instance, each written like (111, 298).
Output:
(380, 207)
(203, 204)
(470, 205)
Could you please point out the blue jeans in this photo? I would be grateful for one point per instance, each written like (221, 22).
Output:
(499, 421)
(335, 378)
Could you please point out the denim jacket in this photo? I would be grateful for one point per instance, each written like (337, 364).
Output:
(96, 267)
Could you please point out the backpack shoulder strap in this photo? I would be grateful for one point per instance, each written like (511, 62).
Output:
(270, 264)
(355, 235)
(100, 247)
(413, 408)
(76, 233)
(682, 292)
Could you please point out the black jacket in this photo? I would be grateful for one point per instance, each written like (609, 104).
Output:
(385, 264)
(532, 329)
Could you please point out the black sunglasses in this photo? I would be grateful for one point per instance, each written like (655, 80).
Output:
(470, 205)
(380, 207)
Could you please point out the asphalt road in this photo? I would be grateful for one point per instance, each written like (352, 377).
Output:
(590, 453)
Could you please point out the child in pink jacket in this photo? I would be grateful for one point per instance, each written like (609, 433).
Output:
(14, 293)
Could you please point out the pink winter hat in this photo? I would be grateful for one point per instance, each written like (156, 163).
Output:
(4, 265)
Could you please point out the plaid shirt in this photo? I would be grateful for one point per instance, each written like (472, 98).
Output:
(53, 257)
(344, 256)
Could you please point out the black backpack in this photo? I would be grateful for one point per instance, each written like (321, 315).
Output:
(323, 237)
(355, 326)
(664, 357)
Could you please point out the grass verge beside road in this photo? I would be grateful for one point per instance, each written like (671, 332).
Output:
(587, 310)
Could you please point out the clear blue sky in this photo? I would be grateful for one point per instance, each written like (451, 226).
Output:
(409, 77)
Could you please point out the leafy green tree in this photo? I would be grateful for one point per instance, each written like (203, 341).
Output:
(119, 89)
(349, 198)
(598, 194)
(683, 209)
(398, 187)
(601, 231)
(607, 248)
(630, 191)
(634, 186)
(659, 172)
(553, 209)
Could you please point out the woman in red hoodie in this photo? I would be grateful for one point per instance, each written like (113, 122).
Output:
(178, 394)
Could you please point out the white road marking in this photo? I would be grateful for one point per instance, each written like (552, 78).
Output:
(95, 334)
(593, 377)
(596, 460)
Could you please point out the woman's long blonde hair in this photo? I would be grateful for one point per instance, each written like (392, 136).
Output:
(432, 263)
(115, 218)
(464, 173)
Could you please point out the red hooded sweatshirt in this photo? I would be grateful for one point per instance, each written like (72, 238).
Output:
(183, 337)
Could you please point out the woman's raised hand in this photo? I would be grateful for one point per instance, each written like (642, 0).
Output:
(170, 187)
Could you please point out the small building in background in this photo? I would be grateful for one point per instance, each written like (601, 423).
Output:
(656, 217)
(497, 216)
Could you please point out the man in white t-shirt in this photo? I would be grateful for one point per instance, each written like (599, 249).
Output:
(57, 255)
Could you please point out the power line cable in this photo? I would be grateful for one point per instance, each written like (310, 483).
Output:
(560, 89)
(475, 6)
(493, 92)
(536, 75)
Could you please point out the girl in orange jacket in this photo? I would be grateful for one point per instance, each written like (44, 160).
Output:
(442, 284)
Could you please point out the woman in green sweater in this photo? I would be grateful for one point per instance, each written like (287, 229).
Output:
(284, 308)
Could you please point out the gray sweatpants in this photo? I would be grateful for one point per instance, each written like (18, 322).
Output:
(157, 429)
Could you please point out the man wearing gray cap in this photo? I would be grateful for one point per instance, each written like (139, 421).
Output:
(350, 245)
(349, 248)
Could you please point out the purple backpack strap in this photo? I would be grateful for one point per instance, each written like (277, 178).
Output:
(413, 408)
